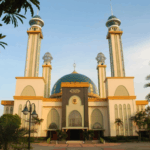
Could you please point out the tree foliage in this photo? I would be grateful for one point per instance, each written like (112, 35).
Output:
(147, 85)
(10, 12)
(10, 130)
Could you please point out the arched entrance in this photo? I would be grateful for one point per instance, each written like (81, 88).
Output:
(75, 120)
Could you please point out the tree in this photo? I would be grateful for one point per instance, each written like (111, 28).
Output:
(147, 119)
(147, 85)
(10, 130)
(37, 121)
(139, 119)
(118, 121)
(10, 10)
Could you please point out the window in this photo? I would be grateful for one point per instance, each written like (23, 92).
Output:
(11, 110)
(7, 110)
(75, 119)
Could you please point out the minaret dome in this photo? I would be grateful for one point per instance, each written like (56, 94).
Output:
(36, 21)
(100, 58)
(47, 57)
(113, 21)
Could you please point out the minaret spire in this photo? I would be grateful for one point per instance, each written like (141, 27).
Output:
(111, 8)
(74, 65)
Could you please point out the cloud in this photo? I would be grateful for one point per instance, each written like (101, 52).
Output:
(137, 64)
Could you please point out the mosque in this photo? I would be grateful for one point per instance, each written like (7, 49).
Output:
(75, 105)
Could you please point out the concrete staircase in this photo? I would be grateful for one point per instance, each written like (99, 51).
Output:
(74, 142)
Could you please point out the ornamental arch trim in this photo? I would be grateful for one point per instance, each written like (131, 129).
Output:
(121, 91)
(96, 117)
(53, 118)
(28, 91)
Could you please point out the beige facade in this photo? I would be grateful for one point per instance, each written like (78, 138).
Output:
(116, 98)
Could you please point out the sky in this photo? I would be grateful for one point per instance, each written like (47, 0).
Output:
(75, 30)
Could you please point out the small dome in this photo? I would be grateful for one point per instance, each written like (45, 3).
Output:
(37, 16)
(36, 21)
(73, 77)
(111, 17)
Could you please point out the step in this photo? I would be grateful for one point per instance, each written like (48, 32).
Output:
(71, 141)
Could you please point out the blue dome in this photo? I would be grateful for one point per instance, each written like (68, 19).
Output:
(73, 77)
(111, 17)
(37, 16)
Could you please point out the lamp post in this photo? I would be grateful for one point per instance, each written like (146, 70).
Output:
(25, 112)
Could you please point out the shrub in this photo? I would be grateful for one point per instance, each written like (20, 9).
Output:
(48, 140)
(101, 140)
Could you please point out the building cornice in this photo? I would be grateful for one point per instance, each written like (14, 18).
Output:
(103, 66)
(74, 84)
(145, 102)
(4, 102)
(121, 97)
(52, 100)
(118, 78)
(36, 32)
(47, 66)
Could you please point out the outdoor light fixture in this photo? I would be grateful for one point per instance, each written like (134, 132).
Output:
(34, 114)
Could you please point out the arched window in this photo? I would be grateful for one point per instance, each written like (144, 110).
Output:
(121, 117)
(75, 119)
(116, 116)
(11, 110)
(130, 122)
(125, 119)
(19, 110)
(7, 110)
(53, 117)
(96, 117)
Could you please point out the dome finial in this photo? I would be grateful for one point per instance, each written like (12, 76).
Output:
(74, 65)
(111, 8)
(37, 12)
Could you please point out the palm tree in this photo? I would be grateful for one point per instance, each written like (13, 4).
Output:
(139, 120)
(2, 43)
(147, 85)
(119, 122)
(10, 10)
(37, 121)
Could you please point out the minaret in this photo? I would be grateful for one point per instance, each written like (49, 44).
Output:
(101, 68)
(33, 50)
(115, 47)
(47, 73)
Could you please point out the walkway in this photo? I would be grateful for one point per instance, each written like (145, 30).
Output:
(107, 146)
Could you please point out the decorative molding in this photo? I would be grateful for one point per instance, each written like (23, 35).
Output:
(93, 95)
(36, 32)
(52, 106)
(74, 91)
(104, 66)
(47, 66)
(75, 84)
(121, 97)
(3, 102)
(97, 106)
(116, 32)
(52, 100)
(142, 102)
(119, 77)
(97, 99)
(31, 78)
(28, 97)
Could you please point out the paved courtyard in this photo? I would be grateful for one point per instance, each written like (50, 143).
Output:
(107, 146)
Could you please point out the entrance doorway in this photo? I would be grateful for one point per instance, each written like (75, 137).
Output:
(74, 134)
